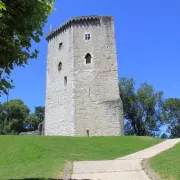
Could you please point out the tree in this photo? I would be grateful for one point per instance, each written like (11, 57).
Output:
(164, 136)
(31, 122)
(13, 114)
(172, 115)
(142, 108)
(15, 117)
(40, 112)
(2, 120)
(21, 23)
(2, 7)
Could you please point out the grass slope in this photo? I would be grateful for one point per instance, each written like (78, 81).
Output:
(167, 164)
(44, 157)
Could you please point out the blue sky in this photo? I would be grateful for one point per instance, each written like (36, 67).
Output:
(147, 39)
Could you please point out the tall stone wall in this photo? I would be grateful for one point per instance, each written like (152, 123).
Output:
(59, 102)
(96, 84)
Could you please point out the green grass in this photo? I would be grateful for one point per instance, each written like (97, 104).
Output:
(44, 157)
(167, 164)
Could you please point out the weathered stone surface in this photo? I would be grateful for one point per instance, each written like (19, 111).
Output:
(90, 102)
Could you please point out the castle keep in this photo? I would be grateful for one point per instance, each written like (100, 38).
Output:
(82, 94)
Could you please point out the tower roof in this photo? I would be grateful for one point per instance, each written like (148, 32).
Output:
(72, 21)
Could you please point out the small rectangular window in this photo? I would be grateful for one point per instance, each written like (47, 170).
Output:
(87, 36)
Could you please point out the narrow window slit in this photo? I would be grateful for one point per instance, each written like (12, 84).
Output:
(65, 80)
(60, 45)
(60, 66)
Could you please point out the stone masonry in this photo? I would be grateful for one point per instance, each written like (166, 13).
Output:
(82, 94)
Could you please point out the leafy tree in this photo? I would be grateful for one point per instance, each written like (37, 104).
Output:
(142, 108)
(15, 117)
(40, 112)
(31, 122)
(2, 7)
(172, 114)
(13, 114)
(2, 118)
(175, 131)
(164, 136)
(21, 23)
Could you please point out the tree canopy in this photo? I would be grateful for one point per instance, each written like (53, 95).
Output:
(15, 117)
(21, 23)
(2, 7)
(172, 114)
(40, 112)
(142, 108)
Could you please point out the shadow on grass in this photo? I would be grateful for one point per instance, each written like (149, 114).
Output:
(36, 179)
(44, 179)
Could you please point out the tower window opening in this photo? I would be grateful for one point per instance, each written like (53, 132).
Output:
(60, 45)
(65, 80)
(88, 58)
(87, 36)
(60, 66)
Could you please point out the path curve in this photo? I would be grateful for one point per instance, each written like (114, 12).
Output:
(124, 168)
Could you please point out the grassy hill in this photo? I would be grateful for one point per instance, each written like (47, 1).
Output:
(24, 157)
(167, 164)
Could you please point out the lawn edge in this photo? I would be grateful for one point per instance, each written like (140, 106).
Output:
(149, 171)
(67, 171)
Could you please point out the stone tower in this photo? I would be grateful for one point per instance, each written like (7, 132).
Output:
(82, 94)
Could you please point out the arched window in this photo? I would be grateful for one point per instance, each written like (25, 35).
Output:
(65, 80)
(60, 66)
(88, 58)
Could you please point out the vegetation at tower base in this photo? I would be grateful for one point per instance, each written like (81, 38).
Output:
(15, 117)
(21, 23)
(143, 109)
(166, 164)
(23, 157)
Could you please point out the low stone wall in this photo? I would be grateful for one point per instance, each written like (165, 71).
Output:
(31, 133)
(38, 132)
